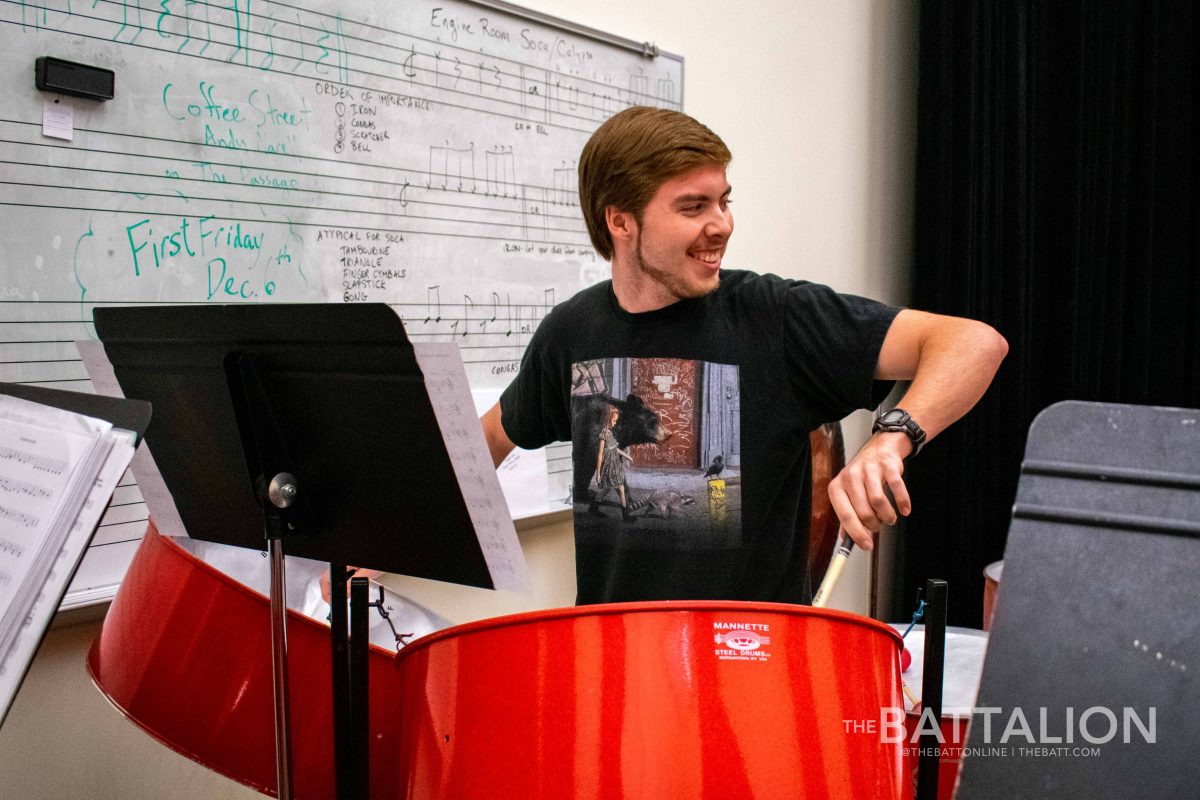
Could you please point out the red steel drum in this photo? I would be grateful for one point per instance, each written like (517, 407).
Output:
(991, 585)
(185, 652)
(651, 700)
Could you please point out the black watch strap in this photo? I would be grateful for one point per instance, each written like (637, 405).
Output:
(899, 421)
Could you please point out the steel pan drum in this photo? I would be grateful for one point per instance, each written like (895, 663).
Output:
(651, 700)
(185, 652)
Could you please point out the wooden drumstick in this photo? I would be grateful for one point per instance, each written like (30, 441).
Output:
(840, 554)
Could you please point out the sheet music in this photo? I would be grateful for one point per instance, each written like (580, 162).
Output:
(28, 636)
(154, 489)
(42, 453)
(57, 471)
(450, 394)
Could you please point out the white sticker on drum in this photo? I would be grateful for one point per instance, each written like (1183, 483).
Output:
(742, 641)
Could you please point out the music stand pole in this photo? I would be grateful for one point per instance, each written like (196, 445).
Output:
(264, 442)
(280, 494)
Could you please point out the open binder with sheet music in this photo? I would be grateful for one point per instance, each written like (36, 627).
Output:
(61, 456)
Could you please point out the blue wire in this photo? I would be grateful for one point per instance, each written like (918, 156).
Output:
(920, 612)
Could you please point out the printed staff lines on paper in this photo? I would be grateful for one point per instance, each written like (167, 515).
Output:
(51, 466)
(27, 521)
(19, 487)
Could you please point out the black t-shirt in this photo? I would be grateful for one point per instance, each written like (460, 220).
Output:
(710, 403)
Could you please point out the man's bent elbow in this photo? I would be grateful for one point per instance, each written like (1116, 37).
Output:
(993, 347)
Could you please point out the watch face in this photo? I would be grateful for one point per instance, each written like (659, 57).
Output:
(893, 417)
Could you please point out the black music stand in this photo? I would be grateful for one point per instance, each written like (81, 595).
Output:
(1096, 613)
(310, 422)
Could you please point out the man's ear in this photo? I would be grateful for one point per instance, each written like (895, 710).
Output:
(621, 224)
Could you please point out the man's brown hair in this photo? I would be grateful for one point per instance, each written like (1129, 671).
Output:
(631, 155)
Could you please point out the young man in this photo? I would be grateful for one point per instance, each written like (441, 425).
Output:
(719, 377)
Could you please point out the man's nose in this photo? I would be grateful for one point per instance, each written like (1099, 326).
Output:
(720, 224)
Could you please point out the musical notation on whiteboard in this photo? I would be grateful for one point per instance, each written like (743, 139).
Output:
(457, 63)
(421, 154)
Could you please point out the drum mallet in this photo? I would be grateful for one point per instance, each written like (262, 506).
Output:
(840, 554)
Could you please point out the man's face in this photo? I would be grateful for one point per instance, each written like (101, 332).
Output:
(683, 233)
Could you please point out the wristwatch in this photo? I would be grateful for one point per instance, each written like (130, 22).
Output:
(898, 421)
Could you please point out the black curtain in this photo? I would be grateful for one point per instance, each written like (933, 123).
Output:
(1057, 200)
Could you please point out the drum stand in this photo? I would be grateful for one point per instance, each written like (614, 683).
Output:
(928, 763)
(352, 761)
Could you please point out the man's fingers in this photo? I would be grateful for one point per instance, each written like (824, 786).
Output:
(860, 499)
(877, 497)
(895, 482)
(326, 581)
(849, 517)
(862, 537)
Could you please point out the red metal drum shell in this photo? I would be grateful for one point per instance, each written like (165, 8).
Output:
(185, 652)
(642, 701)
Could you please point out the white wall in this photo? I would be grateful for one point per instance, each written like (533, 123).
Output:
(816, 98)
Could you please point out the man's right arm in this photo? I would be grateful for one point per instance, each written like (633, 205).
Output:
(499, 445)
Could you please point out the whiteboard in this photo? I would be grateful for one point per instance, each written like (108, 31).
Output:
(421, 154)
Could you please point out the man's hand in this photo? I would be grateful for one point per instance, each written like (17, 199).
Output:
(859, 493)
(325, 580)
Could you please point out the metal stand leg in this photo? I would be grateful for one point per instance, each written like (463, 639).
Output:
(360, 694)
(279, 671)
(339, 631)
(929, 761)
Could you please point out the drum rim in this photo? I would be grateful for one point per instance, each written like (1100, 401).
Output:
(178, 550)
(647, 607)
(973, 632)
(994, 570)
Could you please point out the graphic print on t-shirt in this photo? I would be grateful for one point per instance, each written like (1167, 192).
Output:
(657, 452)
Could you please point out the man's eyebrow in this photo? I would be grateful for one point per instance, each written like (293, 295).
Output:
(698, 197)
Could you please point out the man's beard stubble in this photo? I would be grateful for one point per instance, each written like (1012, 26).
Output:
(674, 284)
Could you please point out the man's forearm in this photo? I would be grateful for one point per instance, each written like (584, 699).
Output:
(499, 445)
(950, 362)
(954, 361)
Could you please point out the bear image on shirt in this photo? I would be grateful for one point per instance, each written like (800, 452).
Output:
(656, 452)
